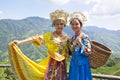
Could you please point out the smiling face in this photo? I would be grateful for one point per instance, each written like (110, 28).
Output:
(59, 25)
(76, 25)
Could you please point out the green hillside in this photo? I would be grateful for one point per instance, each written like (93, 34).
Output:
(109, 38)
(20, 29)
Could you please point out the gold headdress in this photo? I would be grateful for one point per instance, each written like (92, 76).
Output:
(59, 14)
(78, 15)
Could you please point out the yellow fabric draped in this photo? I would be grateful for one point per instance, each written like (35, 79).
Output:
(26, 69)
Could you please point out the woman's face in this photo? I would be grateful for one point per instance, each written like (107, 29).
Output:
(59, 25)
(75, 25)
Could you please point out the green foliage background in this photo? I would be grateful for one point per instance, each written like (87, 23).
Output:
(20, 29)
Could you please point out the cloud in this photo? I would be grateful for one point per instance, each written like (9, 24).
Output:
(106, 7)
(106, 21)
(60, 2)
(90, 1)
(1, 12)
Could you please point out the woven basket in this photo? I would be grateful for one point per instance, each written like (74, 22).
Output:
(100, 54)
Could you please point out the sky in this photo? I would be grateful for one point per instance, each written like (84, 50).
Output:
(100, 13)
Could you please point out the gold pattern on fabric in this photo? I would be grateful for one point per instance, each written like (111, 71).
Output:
(25, 68)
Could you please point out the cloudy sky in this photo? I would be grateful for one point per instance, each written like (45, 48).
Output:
(101, 13)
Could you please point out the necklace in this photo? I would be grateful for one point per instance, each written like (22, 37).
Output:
(60, 40)
(57, 34)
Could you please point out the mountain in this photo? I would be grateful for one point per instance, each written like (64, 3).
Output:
(20, 29)
(109, 38)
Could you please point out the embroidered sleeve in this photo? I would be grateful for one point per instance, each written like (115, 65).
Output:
(38, 40)
(86, 47)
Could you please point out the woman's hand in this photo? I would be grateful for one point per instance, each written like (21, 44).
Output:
(79, 41)
(17, 42)
(82, 35)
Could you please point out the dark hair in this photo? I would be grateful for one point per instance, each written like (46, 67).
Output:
(78, 20)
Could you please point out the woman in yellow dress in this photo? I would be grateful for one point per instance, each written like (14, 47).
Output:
(53, 67)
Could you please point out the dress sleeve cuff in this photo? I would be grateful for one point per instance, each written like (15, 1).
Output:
(82, 49)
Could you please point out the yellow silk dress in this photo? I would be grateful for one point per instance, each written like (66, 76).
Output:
(26, 69)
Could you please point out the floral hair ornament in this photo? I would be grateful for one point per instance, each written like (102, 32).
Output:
(79, 15)
(59, 14)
